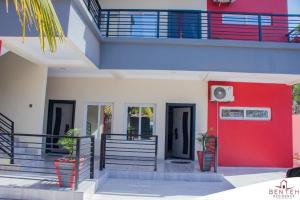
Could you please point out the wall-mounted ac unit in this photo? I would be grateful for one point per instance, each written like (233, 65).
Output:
(221, 93)
(223, 1)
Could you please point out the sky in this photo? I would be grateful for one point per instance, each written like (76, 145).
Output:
(294, 6)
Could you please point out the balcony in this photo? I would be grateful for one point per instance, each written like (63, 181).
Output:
(195, 40)
(194, 24)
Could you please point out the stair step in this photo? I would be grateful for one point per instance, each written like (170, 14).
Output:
(170, 176)
(4, 161)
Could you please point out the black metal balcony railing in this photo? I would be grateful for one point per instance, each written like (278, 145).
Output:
(194, 24)
(38, 159)
(129, 151)
(95, 10)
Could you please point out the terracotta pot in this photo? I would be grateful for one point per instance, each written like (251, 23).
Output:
(200, 159)
(66, 171)
(204, 159)
(296, 39)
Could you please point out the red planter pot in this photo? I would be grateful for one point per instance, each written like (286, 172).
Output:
(66, 171)
(204, 159)
(200, 159)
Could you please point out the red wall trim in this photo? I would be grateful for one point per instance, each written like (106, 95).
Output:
(255, 143)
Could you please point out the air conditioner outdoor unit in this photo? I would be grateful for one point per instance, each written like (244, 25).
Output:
(223, 1)
(222, 93)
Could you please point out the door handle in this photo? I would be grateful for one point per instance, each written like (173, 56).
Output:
(181, 35)
(176, 133)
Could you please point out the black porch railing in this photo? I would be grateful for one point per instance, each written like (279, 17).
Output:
(7, 139)
(194, 24)
(38, 159)
(212, 150)
(133, 151)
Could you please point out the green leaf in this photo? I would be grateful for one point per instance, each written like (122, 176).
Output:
(40, 14)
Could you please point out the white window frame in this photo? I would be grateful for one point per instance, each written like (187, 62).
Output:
(245, 109)
(140, 105)
(240, 19)
(99, 114)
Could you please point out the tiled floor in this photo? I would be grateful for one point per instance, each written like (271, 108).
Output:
(137, 188)
(171, 181)
(124, 189)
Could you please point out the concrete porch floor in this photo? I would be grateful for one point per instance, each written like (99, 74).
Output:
(170, 181)
(178, 181)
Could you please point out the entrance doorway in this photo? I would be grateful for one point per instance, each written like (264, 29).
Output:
(61, 115)
(180, 131)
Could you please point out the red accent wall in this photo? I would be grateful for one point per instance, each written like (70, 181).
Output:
(276, 32)
(255, 143)
(296, 140)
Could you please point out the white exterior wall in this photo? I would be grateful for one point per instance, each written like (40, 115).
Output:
(155, 4)
(23, 83)
(121, 92)
(83, 36)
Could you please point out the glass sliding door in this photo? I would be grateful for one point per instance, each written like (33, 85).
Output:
(92, 127)
(106, 119)
(143, 24)
(99, 119)
(184, 24)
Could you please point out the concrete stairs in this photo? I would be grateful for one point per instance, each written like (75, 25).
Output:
(20, 159)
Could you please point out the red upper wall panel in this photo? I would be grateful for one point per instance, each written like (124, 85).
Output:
(250, 143)
(257, 6)
(276, 31)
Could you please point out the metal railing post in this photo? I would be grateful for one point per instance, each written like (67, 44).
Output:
(208, 25)
(12, 144)
(158, 24)
(156, 143)
(102, 149)
(107, 23)
(99, 18)
(259, 28)
(89, 5)
(216, 156)
(77, 164)
(92, 157)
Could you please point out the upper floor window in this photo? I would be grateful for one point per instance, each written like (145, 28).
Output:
(245, 113)
(239, 19)
(143, 24)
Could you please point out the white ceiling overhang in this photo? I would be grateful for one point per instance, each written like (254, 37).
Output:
(175, 75)
(67, 55)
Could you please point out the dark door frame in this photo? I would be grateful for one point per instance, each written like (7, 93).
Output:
(181, 24)
(193, 121)
(50, 113)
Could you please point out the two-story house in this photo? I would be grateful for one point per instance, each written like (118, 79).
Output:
(169, 68)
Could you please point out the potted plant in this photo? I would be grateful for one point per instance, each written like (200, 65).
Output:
(204, 156)
(66, 166)
(130, 133)
(295, 34)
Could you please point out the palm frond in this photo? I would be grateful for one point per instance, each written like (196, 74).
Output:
(41, 15)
